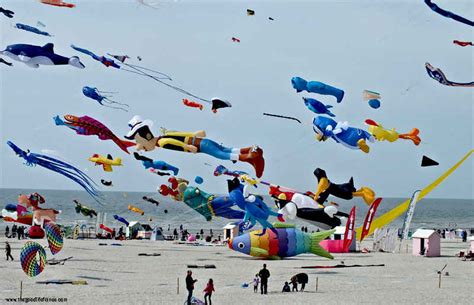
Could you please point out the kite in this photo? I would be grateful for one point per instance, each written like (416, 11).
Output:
(88, 126)
(106, 183)
(345, 191)
(106, 162)
(5, 62)
(438, 75)
(270, 18)
(234, 39)
(17, 213)
(195, 142)
(106, 228)
(34, 56)
(198, 180)
(317, 107)
(285, 241)
(283, 117)
(149, 3)
(159, 165)
(222, 170)
(192, 104)
(374, 103)
(58, 3)
(41, 24)
(151, 200)
(300, 84)
(463, 43)
(121, 219)
(154, 171)
(86, 211)
(255, 209)
(425, 162)
(448, 14)
(29, 261)
(63, 168)
(120, 58)
(135, 209)
(7, 13)
(396, 212)
(390, 135)
(372, 98)
(250, 12)
(97, 95)
(340, 132)
(176, 188)
(54, 237)
(31, 29)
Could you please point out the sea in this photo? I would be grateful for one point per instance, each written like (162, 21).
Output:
(169, 214)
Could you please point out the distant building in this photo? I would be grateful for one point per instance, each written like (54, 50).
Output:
(426, 243)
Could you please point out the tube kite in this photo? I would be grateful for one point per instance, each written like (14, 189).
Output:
(121, 219)
(135, 209)
(438, 75)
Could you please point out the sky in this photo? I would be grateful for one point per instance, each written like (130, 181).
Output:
(353, 45)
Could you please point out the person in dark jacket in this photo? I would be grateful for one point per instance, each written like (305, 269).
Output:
(264, 274)
(190, 285)
(8, 250)
(300, 278)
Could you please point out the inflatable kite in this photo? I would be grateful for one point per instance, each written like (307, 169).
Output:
(235, 39)
(135, 209)
(34, 56)
(31, 29)
(88, 126)
(317, 107)
(390, 135)
(154, 171)
(176, 188)
(345, 191)
(255, 209)
(106, 183)
(58, 3)
(448, 14)
(121, 219)
(216, 103)
(106, 162)
(5, 62)
(463, 43)
(222, 170)
(54, 237)
(103, 227)
(250, 12)
(198, 180)
(151, 200)
(340, 132)
(438, 75)
(7, 13)
(194, 142)
(103, 100)
(300, 84)
(40, 215)
(28, 258)
(63, 168)
(17, 213)
(84, 210)
(192, 104)
(158, 165)
(372, 98)
(284, 241)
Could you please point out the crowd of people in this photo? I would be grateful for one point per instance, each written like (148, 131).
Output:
(21, 232)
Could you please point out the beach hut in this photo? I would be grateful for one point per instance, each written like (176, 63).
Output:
(230, 231)
(156, 234)
(426, 243)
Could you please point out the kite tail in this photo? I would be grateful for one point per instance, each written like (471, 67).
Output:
(109, 101)
(282, 117)
(108, 106)
(150, 70)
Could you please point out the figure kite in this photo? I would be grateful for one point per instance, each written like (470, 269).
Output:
(88, 126)
(31, 29)
(222, 170)
(438, 75)
(300, 84)
(63, 168)
(58, 3)
(158, 165)
(195, 142)
(86, 211)
(390, 135)
(7, 13)
(99, 96)
(106, 162)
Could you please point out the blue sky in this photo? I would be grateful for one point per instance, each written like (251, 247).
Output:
(353, 45)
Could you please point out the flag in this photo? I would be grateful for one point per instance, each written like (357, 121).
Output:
(349, 233)
(368, 218)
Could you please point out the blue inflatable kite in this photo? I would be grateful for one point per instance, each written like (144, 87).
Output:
(98, 96)
(300, 84)
(317, 107)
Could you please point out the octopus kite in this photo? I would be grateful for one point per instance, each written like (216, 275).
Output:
(99, 96)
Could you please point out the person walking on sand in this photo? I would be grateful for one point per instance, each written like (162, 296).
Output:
(208, 291)
(8, 250)
(264, 274)
(256, 281)
(190, 285)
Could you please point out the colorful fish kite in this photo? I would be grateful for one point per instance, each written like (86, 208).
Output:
(99, 96)
(60, 167)
(58, 3)
(88, 126)
(31, 29)
(438, 75)
(448, 14)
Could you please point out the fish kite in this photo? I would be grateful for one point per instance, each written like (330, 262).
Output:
(60, 167)
(158, 165)
(448, 14)
(300, 84)
(99, 96)
(31, 29)
(317, 107)
(106, 162)
(88, 126)
(58, 3)
(195, 142)
(438, 75)
(7, 13)
(390, 135)
(463, 43)
(34, 56)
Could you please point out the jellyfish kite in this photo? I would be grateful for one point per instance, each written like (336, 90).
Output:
(102, 99)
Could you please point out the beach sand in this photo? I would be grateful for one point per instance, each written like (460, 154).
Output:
(117, 275)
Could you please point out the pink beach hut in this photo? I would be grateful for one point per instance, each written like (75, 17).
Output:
(426, 243)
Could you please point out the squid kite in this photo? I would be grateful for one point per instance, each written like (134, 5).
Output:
(60, 167)
(448, 14)
(390, 135)
(438, 75)
(99, 96)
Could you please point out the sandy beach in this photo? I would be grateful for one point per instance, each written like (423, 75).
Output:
(117, 275)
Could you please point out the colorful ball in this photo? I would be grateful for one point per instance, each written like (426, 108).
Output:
(28, 260)
(54, 237)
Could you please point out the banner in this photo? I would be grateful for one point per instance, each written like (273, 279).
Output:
(409, 214)
(349, 233)
(368, 218)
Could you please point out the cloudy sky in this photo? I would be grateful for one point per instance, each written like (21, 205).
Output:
(354, 45)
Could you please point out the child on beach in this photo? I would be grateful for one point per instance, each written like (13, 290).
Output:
(286, 288)
(208, 291)
(256, 281)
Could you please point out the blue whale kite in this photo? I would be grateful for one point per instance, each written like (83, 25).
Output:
(300, 84)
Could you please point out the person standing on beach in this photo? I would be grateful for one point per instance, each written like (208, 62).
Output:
(256, 281)
(264, 274)
(208, 291)
(14, 227)
(7, 232)
(190, 285)
(464, 236)
(8, 250)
